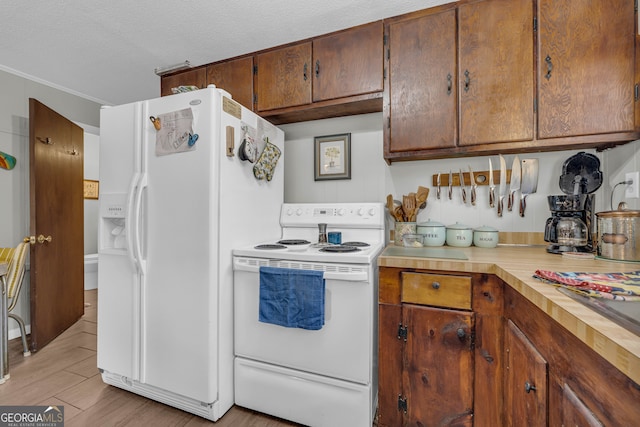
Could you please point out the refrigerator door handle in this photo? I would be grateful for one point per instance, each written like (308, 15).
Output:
(142, 184)
(131, 222)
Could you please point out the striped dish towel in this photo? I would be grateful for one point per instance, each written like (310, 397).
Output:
(614, 286)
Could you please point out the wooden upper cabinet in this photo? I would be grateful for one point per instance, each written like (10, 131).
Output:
(234, 76)
(496, 70)
(196, 77)
(284, 77)
(421, 91)
(585, 67)
(348, 63)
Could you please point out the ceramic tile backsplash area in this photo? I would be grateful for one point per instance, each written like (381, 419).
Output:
(372, 178)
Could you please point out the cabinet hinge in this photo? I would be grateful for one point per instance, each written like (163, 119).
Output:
(535, 105)
(385, 38)
(402, 403)
(637, 92)
(535, 23)
(402, 332)
(388, 54)
(255, 98)
(255, 70)
(472, 343)
(384, 73)
(388, 122)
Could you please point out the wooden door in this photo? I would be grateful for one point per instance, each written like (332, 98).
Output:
(422, 93)
(585, 67)
(496, 70)
(348, 63)
(196, 77)
(56, 149)
(526, 378)
(284, 77)
(236, 77)
(438, 366)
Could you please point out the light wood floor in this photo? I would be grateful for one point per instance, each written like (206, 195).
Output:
(64, 373)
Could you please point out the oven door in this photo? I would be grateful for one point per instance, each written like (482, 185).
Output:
(342, 349)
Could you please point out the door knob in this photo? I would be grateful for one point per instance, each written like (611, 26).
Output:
(40, 239)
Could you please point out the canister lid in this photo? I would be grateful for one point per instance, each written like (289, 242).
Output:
(620, 213)
(430, 223)
(458, 226)
(486, 228)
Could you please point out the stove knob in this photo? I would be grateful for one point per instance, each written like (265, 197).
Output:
(290, 211)
(299, 211)
(342, 211)
(372, 211)
(361, 211)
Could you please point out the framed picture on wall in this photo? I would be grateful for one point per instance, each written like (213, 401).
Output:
(91, 189)
(332, 157)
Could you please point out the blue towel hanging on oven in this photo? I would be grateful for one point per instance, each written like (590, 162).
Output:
(292, 298)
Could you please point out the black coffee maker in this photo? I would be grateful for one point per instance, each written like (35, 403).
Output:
(570, 228)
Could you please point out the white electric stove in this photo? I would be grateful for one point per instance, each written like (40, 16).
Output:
(325, 377)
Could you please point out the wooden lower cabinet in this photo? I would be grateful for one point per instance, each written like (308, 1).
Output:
(437, 365)
(525, 382)
(462, 349)
(440, 340)
(581, 389)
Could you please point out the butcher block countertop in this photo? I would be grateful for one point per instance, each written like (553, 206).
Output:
(515, 265)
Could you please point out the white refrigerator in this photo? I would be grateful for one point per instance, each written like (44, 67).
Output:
(183, 180)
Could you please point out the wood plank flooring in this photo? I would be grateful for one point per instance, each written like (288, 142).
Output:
(64, 373)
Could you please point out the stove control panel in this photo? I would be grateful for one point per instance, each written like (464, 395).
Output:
(346, 214)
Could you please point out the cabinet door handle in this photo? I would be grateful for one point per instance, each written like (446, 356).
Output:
(467, 80)
(461, 333)
(528, 387)
(317, 67)
(304, 71)
(435, 285)
(549, 67)
(449, 83)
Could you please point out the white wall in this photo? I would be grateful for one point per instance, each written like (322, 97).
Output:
(372, 179)
(91, 207)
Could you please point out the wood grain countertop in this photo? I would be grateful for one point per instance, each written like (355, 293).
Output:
(515, 265)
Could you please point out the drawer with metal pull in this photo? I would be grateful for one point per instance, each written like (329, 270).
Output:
(437, 289)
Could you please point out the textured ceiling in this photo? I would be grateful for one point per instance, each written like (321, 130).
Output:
(107, 50)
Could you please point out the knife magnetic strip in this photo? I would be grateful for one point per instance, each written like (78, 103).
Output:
(481, 178)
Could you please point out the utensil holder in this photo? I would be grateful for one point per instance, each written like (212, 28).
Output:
(401, 229)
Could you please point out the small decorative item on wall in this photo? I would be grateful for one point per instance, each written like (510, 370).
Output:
(332, 157)
(7, 161)
(91, 189)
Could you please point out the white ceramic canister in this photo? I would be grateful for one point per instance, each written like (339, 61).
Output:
(434, 233)
(485, 237)
(459, 235)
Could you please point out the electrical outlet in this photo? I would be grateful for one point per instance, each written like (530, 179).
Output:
(633, 189)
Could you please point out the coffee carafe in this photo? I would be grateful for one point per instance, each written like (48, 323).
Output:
(570, 227)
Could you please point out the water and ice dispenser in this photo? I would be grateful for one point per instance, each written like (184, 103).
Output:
(112, 233)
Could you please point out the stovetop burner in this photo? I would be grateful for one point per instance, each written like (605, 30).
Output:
(356, 244)
(294, 242)
(270, 246)
(339, 249)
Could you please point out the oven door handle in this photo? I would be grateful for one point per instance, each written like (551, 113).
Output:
(343, 272)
